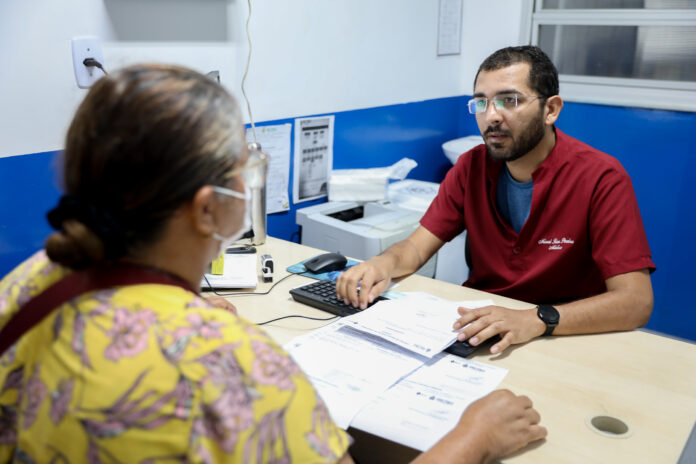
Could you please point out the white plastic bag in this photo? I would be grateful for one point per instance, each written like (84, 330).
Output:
(366, 184)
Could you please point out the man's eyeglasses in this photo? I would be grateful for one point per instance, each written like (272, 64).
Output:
(504, 102)
(253, 171)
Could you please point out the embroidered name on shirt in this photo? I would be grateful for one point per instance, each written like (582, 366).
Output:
(556, 243)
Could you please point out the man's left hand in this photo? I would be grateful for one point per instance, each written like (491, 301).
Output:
(514, 326)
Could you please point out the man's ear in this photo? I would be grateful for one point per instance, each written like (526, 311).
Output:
(553, 109)
(204, 211)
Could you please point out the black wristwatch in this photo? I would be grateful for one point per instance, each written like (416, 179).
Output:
(549, 315)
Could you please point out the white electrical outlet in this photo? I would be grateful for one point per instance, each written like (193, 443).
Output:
(82, 48)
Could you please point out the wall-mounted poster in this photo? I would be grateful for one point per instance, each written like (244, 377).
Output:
(313, 157)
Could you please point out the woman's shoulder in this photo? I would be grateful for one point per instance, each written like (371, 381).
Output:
(25, 281)
(186, 325)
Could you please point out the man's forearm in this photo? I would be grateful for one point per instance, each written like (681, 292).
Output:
(626, 305)
(404, 258)
(407, 256)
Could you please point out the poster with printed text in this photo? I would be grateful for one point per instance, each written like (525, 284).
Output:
(313, 157)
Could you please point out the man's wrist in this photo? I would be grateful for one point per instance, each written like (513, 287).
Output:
(538, 324)
(549, 316)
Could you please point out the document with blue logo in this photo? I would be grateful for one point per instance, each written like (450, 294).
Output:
(427, 404)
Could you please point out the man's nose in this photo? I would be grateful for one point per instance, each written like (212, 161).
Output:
(493, 115)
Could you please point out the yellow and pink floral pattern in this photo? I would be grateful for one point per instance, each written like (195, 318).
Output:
(151, 374)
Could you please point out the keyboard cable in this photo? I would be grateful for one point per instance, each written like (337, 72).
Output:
(266, 293)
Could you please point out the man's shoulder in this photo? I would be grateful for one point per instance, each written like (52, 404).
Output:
(583, 156)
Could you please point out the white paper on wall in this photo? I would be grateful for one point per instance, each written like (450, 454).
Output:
(275, 142)
(313, 157)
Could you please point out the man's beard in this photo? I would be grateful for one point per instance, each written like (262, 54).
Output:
(529, 138)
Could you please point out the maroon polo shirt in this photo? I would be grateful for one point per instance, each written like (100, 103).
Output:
(584, 225)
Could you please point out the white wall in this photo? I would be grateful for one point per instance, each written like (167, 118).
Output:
(38, 93)
(309, 56)
(317, 56)
(487, 25)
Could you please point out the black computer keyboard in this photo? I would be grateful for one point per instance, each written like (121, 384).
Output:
(322, 295)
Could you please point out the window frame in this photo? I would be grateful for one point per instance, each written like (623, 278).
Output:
(633, 92)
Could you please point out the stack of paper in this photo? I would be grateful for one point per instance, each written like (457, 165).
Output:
(420, 409)
(353, 363)
(348, 368)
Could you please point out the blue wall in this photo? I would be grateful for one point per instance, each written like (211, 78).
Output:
(28, 188)
(657, 149)
(381, 136)
(363, 138)
(654, 146)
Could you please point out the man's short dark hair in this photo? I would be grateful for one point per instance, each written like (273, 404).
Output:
(543, 76)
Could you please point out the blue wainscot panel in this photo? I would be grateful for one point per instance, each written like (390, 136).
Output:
(28, 188)
(363, 138)
(656, 147)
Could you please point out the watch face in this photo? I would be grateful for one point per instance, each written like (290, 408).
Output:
(548, 314)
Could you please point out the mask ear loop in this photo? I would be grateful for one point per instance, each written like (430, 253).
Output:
(246, 196)
(229, 192)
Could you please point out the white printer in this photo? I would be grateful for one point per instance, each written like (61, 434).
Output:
(362, 230)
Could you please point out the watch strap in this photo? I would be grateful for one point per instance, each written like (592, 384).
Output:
(549, 316)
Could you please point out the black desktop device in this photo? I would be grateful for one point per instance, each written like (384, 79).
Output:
(322, 295)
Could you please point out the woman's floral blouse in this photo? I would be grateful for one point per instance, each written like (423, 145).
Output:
(151, 374)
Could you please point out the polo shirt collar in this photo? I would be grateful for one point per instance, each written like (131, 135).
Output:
(493, 167)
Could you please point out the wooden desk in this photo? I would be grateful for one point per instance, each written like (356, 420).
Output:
(645, 380)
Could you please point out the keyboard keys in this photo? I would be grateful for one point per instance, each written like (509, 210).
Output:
(322, 295)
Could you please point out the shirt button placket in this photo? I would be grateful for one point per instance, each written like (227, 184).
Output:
(516, 260)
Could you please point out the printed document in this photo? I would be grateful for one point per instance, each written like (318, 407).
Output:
(275, 142)
(385, 365)
(349, 368)
(420, 409)
(417, 321)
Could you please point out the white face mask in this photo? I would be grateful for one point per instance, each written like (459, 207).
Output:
(225, 242)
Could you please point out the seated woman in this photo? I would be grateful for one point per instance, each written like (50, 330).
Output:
(154, 173)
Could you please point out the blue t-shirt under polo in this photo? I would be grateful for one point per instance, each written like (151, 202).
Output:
(514, 199)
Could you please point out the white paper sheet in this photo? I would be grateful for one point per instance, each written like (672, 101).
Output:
(449, 31)
(275, 142)
(239, 271)
(313, 157)
(424, 327)
(349, 368)
(426, 405)
(418, 321)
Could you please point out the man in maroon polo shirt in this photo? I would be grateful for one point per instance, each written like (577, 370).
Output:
(549, 220)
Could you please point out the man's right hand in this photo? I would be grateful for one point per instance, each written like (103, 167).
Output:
(374, 276)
